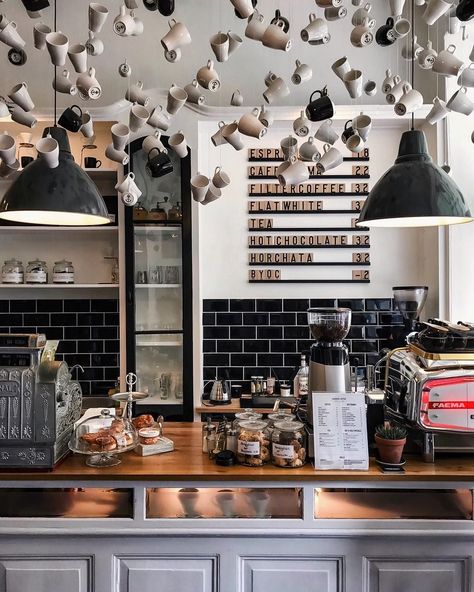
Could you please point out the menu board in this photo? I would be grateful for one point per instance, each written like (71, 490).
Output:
(340, 431)
(326, 209)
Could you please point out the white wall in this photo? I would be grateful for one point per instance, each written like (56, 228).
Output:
(398, 256)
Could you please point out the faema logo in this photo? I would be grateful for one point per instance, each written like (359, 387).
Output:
(450, 405)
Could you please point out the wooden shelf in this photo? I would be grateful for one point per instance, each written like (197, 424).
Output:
(57, 286)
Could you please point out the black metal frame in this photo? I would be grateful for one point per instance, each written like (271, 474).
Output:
(185, 411)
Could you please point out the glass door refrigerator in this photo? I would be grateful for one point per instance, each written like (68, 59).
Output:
(159, 287)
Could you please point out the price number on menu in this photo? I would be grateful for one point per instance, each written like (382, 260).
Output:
(363, 154)
(360, 187)
(360, 257)
(357, 204)
(360, 170)
(361, 274)
(361, 239)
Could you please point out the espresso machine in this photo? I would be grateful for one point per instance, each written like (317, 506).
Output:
(329, 367)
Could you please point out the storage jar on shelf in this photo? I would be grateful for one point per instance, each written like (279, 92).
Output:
(288, 444)
(253, 444)
(63, 272)
(12, 272)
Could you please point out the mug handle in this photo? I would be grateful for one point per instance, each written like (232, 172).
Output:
(78, 108)
(256, 111)
(326, 147)
(131, 175)
(313, 93)
(298, 63)
(98, 164)
(390, 22)
(368, 7)
(451, 48)
(219, 124)
(216, 170)
(312, 17)
(346, 124)
(396, 79)
(210, 64)
(171, 23)
(149, 153)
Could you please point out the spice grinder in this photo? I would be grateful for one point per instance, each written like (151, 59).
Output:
(329, 369)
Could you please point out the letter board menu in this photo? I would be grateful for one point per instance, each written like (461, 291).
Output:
(309, 225)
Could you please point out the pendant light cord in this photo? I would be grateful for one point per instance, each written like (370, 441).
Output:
(55, 70)
(412, 57)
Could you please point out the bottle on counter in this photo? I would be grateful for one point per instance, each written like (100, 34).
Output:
(231, 439)
(301, 380)
(208, 436)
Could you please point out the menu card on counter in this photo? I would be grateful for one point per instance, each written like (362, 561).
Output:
(340, 431)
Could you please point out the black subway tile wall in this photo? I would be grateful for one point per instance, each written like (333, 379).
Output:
(88, 331)
(248, 337)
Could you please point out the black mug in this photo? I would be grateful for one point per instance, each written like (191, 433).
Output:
(321, 108)
(25, 161)
(166, 7)
(158, 164)
(35, 5)
(71, 120)
(91, 162)
(348, 131)
(383, 36)
(465, 10)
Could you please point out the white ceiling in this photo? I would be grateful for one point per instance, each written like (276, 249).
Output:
(245, 70)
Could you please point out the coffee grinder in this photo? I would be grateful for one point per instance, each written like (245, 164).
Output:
(410, 301)
(329, 368)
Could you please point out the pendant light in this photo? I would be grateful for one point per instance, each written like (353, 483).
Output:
(414, 191)
(61, 196)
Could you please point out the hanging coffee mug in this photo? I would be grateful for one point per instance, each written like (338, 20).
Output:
(208, 78)
(71, 118)
(158, 163)
(321, 108)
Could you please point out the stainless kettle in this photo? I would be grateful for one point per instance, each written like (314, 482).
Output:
(220, 393)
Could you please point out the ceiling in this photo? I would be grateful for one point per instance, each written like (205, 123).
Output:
(245, 70)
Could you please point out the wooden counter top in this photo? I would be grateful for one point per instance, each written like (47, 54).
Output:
(230, 409)
(188, 463)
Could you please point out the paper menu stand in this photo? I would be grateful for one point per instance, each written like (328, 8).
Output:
(340, 431)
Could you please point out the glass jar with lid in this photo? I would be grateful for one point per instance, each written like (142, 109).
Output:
(63, 272)
(273, 418)
(12, 272)
(253, 444)
(36, 272)
(288, 444)
(246, 415)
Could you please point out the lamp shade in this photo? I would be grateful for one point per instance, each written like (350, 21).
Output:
(414, 191)
(61, 196)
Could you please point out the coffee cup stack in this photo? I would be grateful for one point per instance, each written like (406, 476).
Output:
(208, 189)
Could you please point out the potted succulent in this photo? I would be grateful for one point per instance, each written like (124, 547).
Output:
(390, 442)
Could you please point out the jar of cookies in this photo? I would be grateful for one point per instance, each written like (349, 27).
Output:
(253, 444)
(288, 444)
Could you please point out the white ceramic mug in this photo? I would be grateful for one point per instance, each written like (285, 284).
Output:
(62, 84)
(57, 44)
(78, 56)
(335, 13)
(438, 111)
(362, 124)
(173, 56)
(362, 35)
(94, 46)
(265, 116)
(194, 94)
(325, 133)
(309, 151)
(139, 115)
(330, 159)
(388, 82)
(396, 92)
(218, 139)
(243, 7)
(88, 85)
(277, 89)
(87, 127)
(135, 94)
(446, 63)
(220, 179)
(353, 83)
(48, 151)
(23, 117)
(177, 36)
(362, 14)
(120, 135)
(208, 78)
(400, 29)
(460, 102)
(409, 102)
(328, 3)
(177, 142)
(250, 124)
(119, 156)
(302, 73)
(40, 30)
(316, 30)
(212, 194)
(199, 186)
(436, 8)
(301, 125)
(255, 28)
(159, 119)
(153, 142)
(225, 500)
(234, 42)
(177, 97)
(236, 99)
(355, 143)
(276, 38)
(411, 53)
(289, 147)
(220, 46)
(98, 14)
(10, 36)
(341, 67)
(20, 96)
(370, 88)
(231, 134)
(4, 112)
(466, 77)
(297, 172)
(396, 7)
(7, 148)
(124, 23)
(427, 57)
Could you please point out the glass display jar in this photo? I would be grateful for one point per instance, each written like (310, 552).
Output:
(208, 436)
(63, 272)
(288, 444)
(246, 415)
(273, 418)
(12, 272)
(36, 272)
(102, 437)
(253, 444)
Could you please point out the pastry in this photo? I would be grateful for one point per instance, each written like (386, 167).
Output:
(143, 421)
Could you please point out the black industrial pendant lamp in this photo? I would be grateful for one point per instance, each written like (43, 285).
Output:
(61, 196)
(414, 191)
